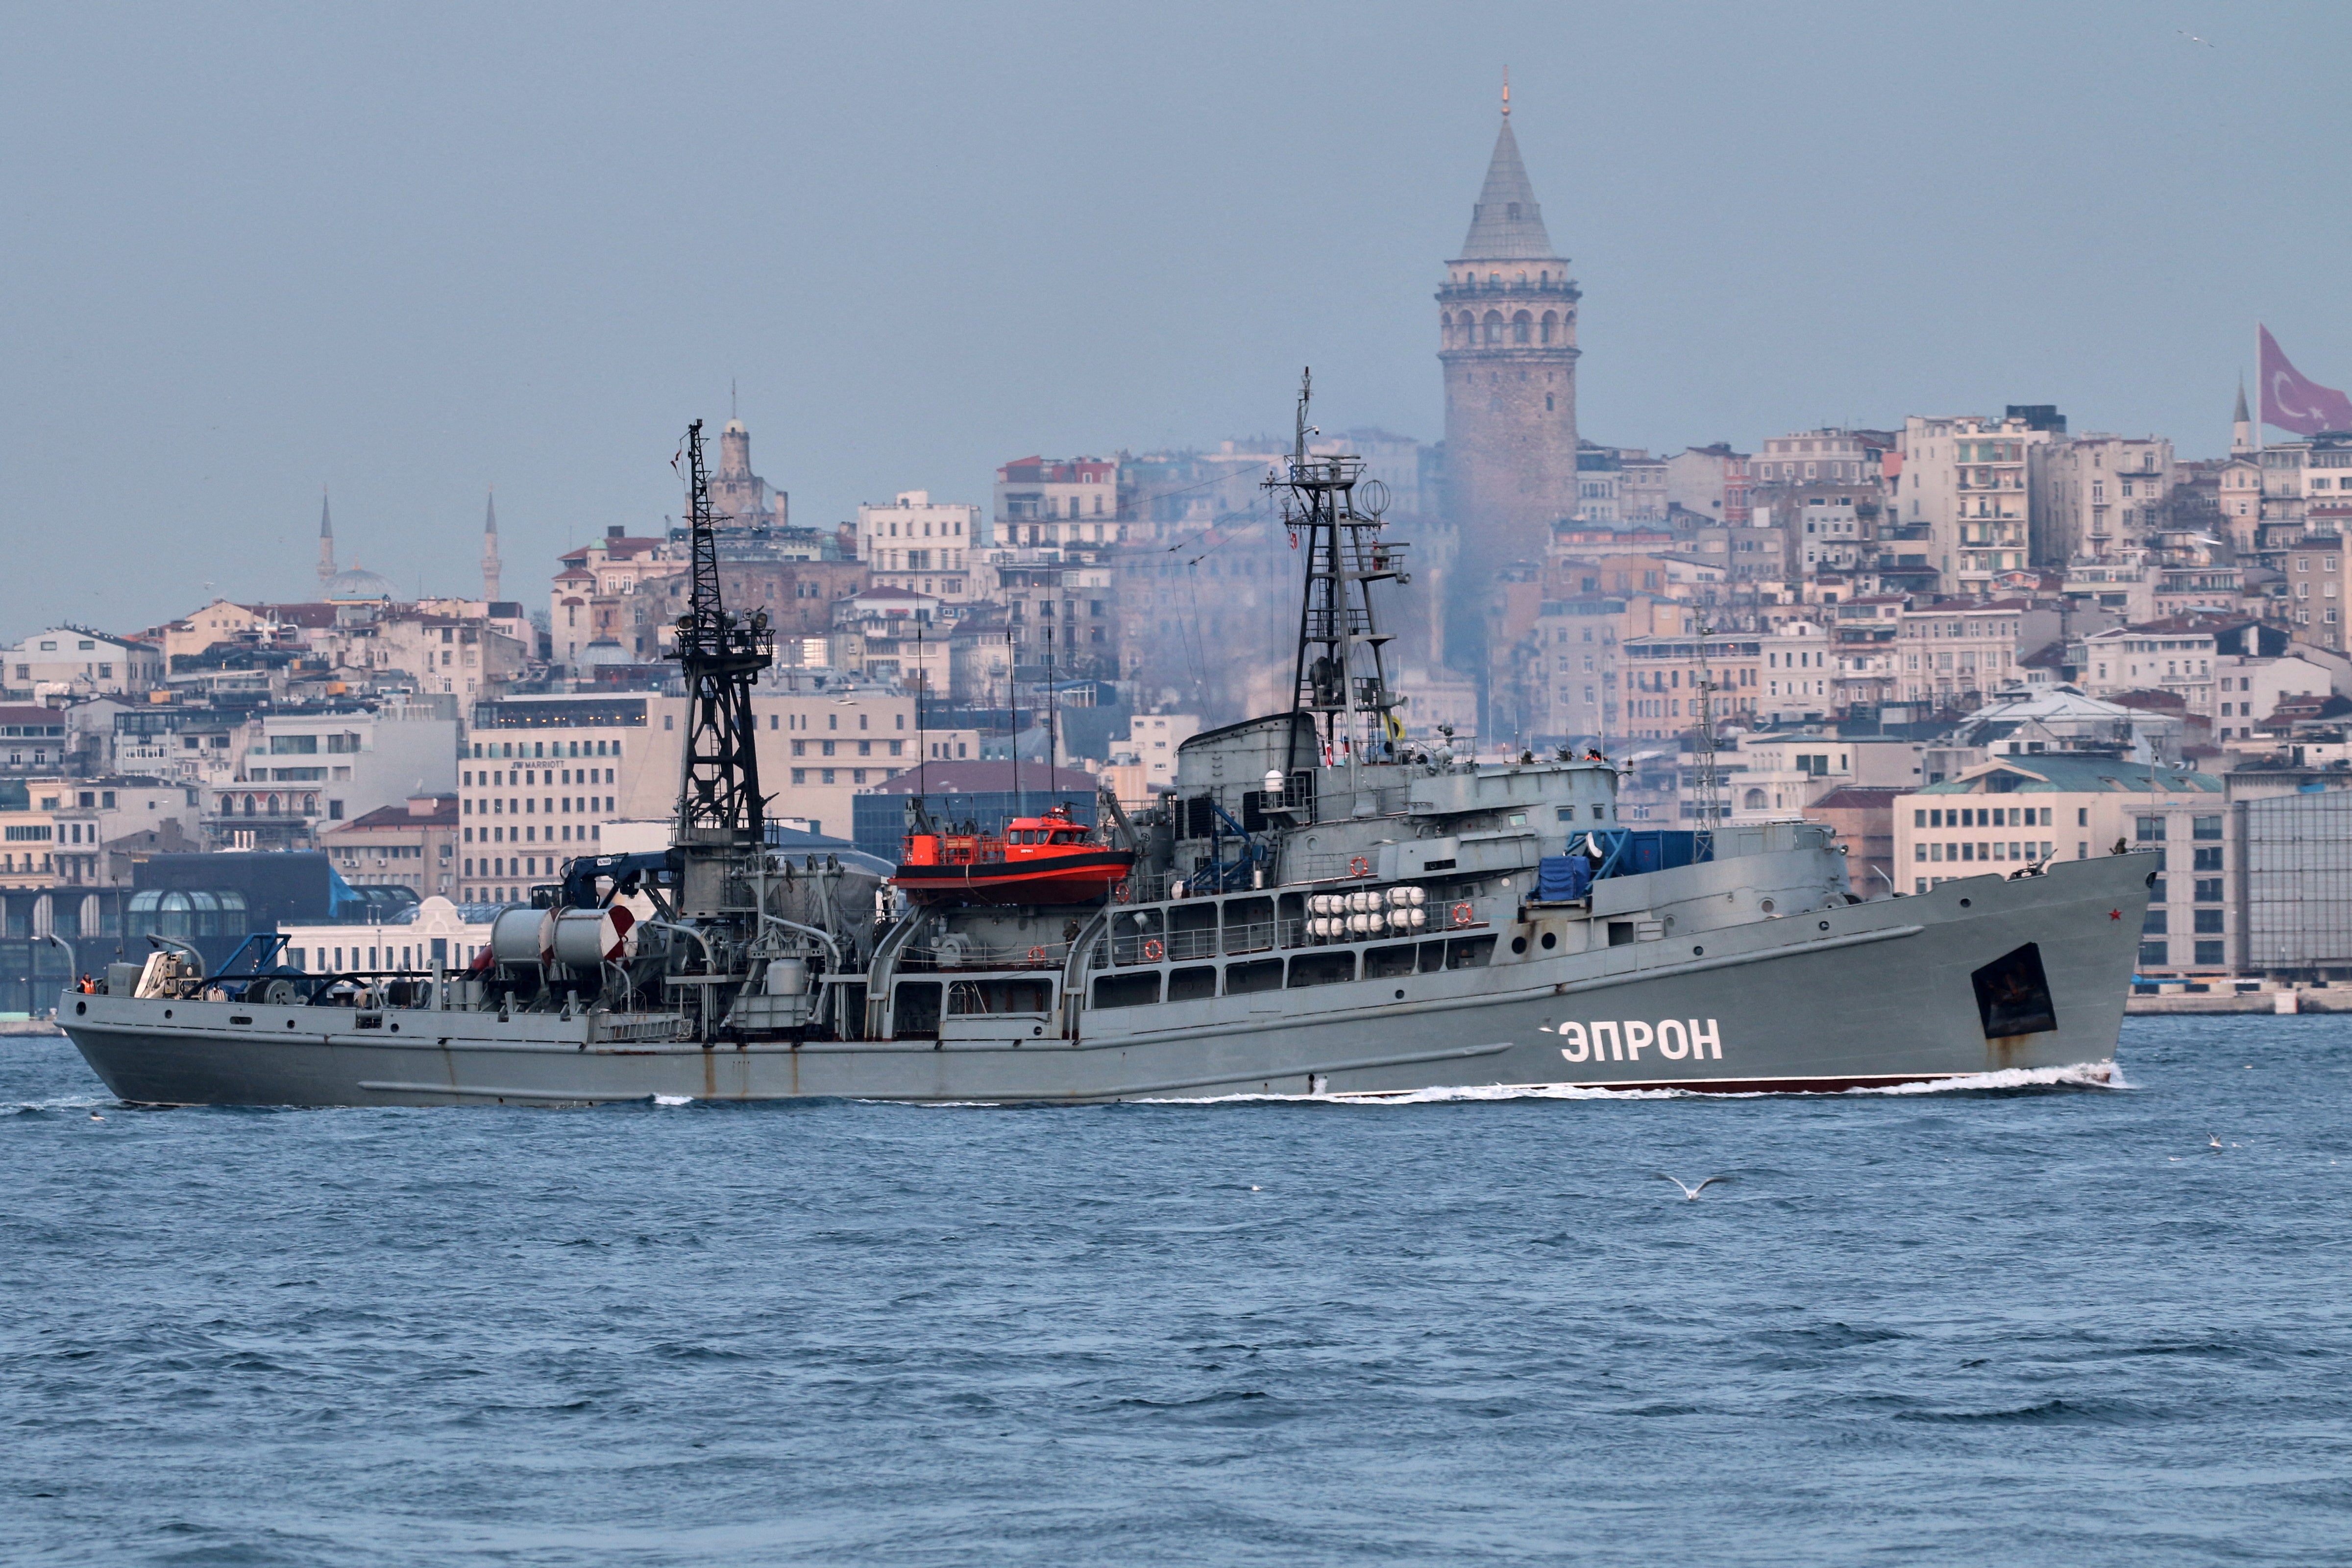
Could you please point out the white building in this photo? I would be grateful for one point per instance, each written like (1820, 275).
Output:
(922, 547)
(2174, 656)
(1149, 748)
(1052, 501)
(1966, 478)
(1799, 679)
(74, 661)
(300, 770)
(543, 775)
(1951, 652)
(438, 931)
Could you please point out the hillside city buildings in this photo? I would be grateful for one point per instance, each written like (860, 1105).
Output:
(1968, 640)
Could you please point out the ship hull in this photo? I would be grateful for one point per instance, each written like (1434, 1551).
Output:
(1887, 992)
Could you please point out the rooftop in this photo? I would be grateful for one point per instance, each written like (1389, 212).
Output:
(2080, 775)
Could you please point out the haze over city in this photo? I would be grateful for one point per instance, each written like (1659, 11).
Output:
(407, 254)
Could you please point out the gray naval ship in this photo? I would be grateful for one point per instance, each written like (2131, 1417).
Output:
(1318, 908)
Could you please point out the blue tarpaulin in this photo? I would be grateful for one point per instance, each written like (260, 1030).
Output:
(1562, 879)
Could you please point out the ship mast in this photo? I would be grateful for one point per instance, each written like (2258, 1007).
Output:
(1710, 803)
(720, 807)
(1340, 677)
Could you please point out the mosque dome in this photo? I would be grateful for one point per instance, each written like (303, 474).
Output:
(603, 650)
(359, 586)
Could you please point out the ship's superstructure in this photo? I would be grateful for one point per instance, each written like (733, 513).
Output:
(1317, 907)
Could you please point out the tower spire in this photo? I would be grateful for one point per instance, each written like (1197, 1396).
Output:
(1507, 225)
(326, 540)
(491, 548)
(1506, 92)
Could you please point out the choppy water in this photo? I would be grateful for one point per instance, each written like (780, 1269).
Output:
(2042, 1325)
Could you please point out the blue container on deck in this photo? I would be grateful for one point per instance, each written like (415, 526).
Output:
(1631, 852)
(1654, 849)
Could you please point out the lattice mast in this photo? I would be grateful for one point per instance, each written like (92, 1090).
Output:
(1339, 679)
(1710, 805)
(720, 807)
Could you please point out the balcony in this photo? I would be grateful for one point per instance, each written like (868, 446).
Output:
(1557, 289)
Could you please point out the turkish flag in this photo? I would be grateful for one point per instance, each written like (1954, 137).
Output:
(2292, 402)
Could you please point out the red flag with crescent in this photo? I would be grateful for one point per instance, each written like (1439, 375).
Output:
(2293, 402)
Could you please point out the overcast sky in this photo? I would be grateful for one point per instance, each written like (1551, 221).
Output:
(407, 252)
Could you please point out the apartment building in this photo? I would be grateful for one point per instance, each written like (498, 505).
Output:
(1953, 652)
(2175, 655)
(411, 845)
(1668, 677)
(919, 546)
(1052, 501)
(1966, 479)
(543, 775)
(68, 661)
(303, 769)
(2100, 494)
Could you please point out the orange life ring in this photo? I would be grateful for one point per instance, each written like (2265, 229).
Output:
(1152, 949)
(1464, 915)
(1119, 892)
(1360, 866)
(1036, 952)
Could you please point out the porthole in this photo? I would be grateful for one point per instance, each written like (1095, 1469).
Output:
(289, 1023)
(1825, 925)
(1551, 940)
(1767, 906)
(1399, 996)
(1698, 953)
(81, 1007)
(167, 1012)
(1518, 944)
(1964, 903)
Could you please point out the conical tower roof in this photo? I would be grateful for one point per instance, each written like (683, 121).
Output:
(1507, 225)
(2240, 417)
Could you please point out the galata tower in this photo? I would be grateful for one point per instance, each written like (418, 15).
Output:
(1507, 324)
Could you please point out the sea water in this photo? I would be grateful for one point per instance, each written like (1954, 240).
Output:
(2040, 1324)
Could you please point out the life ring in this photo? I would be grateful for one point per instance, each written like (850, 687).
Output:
(1119, 892)
(1035, 954)
(1152, 949)
(1464, 915)
(1360, 866)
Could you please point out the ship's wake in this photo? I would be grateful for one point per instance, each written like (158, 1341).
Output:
(2081, 1075)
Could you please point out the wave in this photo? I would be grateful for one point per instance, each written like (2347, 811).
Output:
(2081, 1074)
(72, 1102)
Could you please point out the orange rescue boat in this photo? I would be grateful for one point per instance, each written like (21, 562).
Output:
(1047, 859)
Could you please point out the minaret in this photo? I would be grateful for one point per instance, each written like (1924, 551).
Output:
(2242, 428)
(490, 550)
(326, 541)
(1506, 330)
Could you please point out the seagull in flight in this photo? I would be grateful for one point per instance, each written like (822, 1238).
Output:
(2193, 37)
(2212, 1142)
(1690, 1194)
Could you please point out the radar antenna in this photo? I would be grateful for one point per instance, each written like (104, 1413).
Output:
(1339, 679)
(720, 807)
